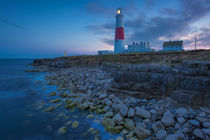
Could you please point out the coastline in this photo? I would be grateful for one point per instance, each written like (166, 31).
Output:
(100, 87)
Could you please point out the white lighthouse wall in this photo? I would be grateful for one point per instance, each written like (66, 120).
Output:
(119, 21)
(119, 46)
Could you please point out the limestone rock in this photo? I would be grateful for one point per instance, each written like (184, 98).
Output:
(198, 133)
(75, 124)
(108, 122)
(62, 130)
(117, 118)
(142, 113)
(168, 119)
(129, 124)
(131, 112)
(157, 126)
(123, 110)
(161, 134)
(181, 112)
(141, 132)
(108, 114)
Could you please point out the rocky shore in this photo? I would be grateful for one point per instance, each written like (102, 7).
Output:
(137, 101)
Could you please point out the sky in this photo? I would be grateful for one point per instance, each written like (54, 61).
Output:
(45, 28)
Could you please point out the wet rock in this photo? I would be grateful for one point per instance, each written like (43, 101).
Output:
(117, 118)
(90, 116)
(108, 102)
(157, 126)
(62, 130)
(141, 132)
(168, 119)
(181, 112)
(116, 107)
(119, 138)
(68, 123)
(49, 109)
(75, 124)
(181, 120)
(112, 130)
(108, 115)
(161, 134)
(108, 122)
(123, 110)
(206, 124)
(129, 124)
(84, 106)
(198, 133)
(142, 113)
(131, 112)
(194, 122)
(102, 96)
(206, 131)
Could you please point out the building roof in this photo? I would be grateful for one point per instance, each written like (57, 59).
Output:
(172, 43)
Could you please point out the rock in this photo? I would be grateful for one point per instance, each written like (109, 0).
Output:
(181, 112)
(108, 102)
(83, 106)
(99, 111)
(102, 96)
(206, 124)
(197, 132)
(116, 107)
(131, 112)
(152, 111)
(129, 124)
(49, 109)
(117, 118)
(194, 122)
(119, 138)
(108, 122)
(68, 123)
(142, 113)
(168, 119)
(157, 126)
(62, 130)
(75, 124)
(123, 110)
(161, 134)
(181, 120)
(112, 130)
(141, 132)
(97, 137)
(206, 131)
(90, 116)
(108, 114)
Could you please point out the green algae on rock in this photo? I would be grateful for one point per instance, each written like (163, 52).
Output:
(55, 100)
(75, 124)
(49, 109)
(62, 130)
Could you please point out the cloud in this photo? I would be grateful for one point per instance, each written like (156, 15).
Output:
(11, 23)
(168, 11)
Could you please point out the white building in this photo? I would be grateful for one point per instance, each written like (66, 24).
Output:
(173, 46)
(104, 52)
(139, 47)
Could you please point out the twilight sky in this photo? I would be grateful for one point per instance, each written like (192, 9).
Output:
(45, 28)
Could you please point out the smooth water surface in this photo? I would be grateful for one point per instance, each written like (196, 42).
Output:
(23, 98)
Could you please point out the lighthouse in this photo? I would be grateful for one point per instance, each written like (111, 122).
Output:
(119, 33)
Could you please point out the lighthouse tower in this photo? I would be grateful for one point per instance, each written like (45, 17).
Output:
(119, 33)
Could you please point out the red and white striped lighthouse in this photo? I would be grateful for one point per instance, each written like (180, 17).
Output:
(119, 33)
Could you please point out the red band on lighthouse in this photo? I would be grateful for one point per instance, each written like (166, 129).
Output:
(119, 33)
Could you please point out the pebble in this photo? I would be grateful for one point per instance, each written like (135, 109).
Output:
(168, 119)
(198, 133)
(194, 122)
(142, 113)
(181, 112)
(75, 124)
(62, 130)
(206, 124)
(123, 110)
(181, 120)
(131, 112)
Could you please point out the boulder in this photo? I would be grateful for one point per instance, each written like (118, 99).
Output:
(198, 133)
(181, 112)
(129, 124)
(108, 122)
(123, 110)
(141, 132)
(168, 119)
(131, 112)
(117, 118)
(142, 113)
(108, 114)
(62, 130)
(161, 134)
(157, 126)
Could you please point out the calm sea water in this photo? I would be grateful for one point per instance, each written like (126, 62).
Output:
(24, 96)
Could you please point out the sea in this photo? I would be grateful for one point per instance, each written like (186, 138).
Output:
(24, 96)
